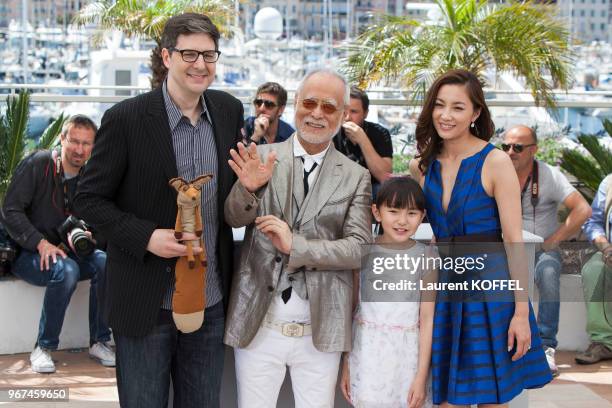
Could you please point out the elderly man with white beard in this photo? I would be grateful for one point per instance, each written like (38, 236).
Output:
(306, 208)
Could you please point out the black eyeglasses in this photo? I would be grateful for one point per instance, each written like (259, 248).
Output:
(192, 56)
(268, 104)
(517, 147)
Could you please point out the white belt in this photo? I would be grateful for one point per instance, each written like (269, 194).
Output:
(289, 329)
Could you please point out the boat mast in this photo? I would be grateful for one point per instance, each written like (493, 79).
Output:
(24, 39)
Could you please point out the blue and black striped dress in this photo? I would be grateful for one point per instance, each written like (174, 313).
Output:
(470, 360)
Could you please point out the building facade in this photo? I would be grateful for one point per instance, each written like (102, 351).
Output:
(49, 12)
(318, 18)
(588, 20)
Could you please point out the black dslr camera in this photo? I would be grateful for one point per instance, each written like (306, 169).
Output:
(8, 251)
(72, 231)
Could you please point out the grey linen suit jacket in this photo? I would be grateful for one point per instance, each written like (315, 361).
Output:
(332, 223)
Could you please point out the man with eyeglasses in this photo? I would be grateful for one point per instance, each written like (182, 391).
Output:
(37, 204)
(543, 188)
(182, 129)
(267, 126)
(306, 208)
(366, 143)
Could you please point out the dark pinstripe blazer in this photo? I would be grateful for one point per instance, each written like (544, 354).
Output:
(124, 193)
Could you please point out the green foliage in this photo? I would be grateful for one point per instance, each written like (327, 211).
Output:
(146, 18)
(549, 151)
(13, 143)
(13, 128)
(49, 136)
(591, 168)
(400, 163)
(522, 38)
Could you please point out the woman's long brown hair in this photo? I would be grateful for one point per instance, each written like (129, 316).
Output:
(429, 143)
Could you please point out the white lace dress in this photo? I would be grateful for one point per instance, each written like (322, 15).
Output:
(385, 352)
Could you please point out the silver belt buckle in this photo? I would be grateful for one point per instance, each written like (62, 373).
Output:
(293, 330)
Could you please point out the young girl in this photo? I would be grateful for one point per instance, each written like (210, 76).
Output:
(389, 364)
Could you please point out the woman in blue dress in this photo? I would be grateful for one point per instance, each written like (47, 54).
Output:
(485, 351)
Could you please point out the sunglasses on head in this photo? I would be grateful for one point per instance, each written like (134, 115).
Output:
(517, 147)
(268, 104)
(327, 107)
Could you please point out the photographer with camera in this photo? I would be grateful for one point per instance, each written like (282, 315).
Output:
(57, 250)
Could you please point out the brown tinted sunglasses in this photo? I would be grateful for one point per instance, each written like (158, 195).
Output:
(327, 107)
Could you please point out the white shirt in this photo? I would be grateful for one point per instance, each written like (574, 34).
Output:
(309, 159)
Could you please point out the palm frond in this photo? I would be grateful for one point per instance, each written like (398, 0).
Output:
(49, 136)
(4, 136)
(144, 18)
(17, 114)
(607, 124)
(380, 52)
(592, 167)
(582, 167)
(602, 156)
(522, 38)
(13, 128)
(529, 42)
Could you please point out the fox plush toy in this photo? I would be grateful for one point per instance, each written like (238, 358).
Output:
(189, 299)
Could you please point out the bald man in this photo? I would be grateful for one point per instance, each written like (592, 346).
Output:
(540, 218)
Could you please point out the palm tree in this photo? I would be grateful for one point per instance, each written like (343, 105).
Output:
(589, 169)
(146, 19)
(471, 34)
(13, 130)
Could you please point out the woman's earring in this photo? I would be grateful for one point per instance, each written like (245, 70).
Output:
(472, 125)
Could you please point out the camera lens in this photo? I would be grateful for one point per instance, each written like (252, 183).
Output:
(83, 245)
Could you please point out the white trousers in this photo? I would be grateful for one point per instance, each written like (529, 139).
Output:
(261, 367)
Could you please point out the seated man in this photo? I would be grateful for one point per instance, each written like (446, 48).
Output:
(540, 207)
(366, 143)
(35, 213)
(266, 126)
(597, 278)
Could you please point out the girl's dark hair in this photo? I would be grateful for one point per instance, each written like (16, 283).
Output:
(429, 143)
(401, 192)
